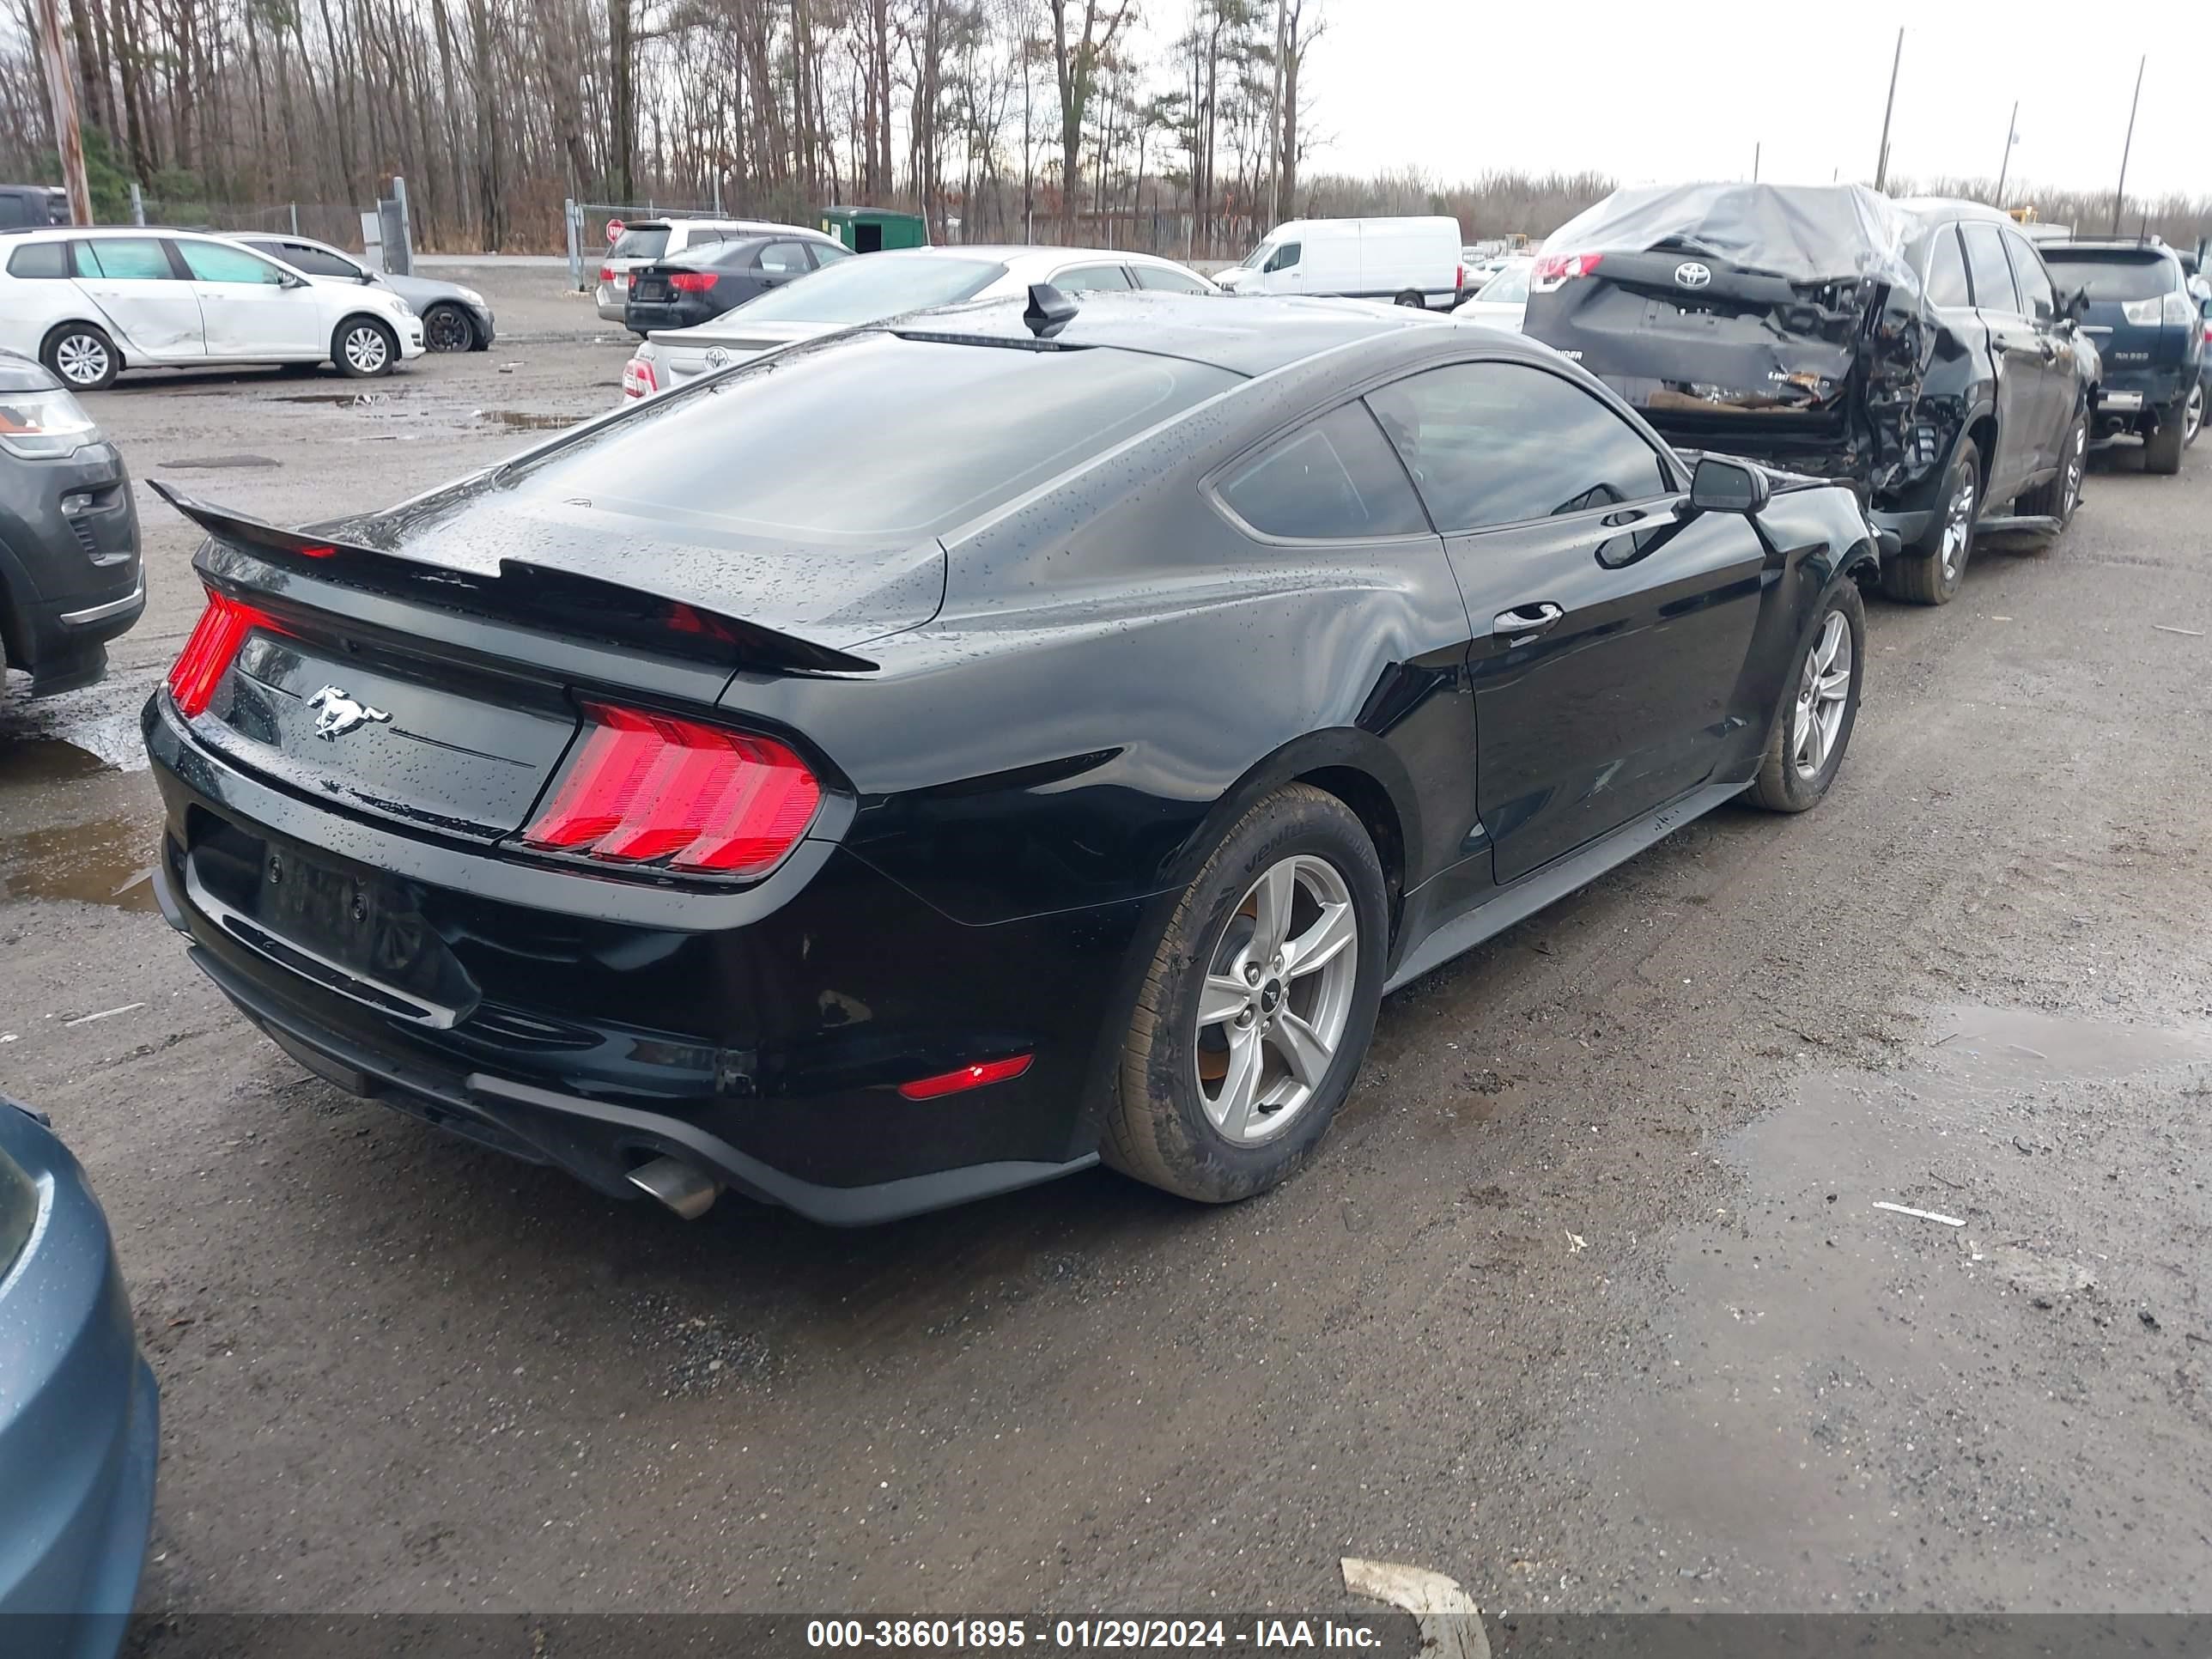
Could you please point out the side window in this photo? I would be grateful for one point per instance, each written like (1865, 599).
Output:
(1947, 270)
(1501, 443)
(14, 211)
(39, 259)
(316, 262)
(215, 262)
(124, 259)
(1334, 479)
(783, 259)
(1084, 279)
(1985, 259)
(828, 253)
(1284, 257)
(2032, 281)
(1168, 279)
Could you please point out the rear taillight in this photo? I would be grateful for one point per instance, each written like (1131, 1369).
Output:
(1459, 276)
(692, 281)
(638, 380)
(606, 273)
(1554, 269)
(653, 790)
(212, 647)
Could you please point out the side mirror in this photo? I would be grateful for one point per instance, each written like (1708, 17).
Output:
(287, 280)
(1724, 486)
(2076, 306)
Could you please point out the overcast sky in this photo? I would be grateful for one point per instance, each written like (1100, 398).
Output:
(1662, 92)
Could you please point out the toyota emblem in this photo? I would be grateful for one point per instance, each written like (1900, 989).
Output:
(1690, 274)
(716, 356)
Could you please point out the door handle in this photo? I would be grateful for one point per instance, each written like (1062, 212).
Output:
(1525, 622)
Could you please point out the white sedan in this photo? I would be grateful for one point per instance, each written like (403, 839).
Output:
(91, 302)
(869, 288)
(1503, 299)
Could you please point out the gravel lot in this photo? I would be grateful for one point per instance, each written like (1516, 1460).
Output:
(1586, 1303)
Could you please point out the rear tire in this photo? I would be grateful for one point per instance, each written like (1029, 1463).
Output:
(1820, 705)
(362, 349)
(81, 357)
(1237, 1055)
(2058, 498)
(2163, 450)
(2192, 416)
(1410, 298)
(1929, 572)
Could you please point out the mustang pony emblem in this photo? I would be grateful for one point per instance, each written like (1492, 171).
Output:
(339, 713)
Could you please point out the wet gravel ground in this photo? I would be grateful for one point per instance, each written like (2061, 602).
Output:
(1588, 1302)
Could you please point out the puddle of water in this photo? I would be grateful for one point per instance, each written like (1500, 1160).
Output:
(106, 861)
(27, 762)
(525, 420)
(338, 399)
(1837, 1380)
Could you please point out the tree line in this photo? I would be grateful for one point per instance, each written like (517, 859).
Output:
(1186, 130)
(997, 118)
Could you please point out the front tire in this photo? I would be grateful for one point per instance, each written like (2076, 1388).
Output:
(82, 357)
(363, 348)
(1929, 572)
(1820, 706)
(448, 328)
(1249, 1029)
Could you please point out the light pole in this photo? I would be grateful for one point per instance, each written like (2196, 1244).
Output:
(2012, 137)
(1882, 161)
(2119, 196)
(61, 91)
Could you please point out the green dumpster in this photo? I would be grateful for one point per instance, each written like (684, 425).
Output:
(870, 230)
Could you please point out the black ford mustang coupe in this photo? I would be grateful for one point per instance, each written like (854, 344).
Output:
(933, 759)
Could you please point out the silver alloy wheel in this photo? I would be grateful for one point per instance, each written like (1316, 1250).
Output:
(2076, 460)
(365, 347)
(1958, 529)
(81, 360)
(1277, 997)
(2192, 416)
(1824, 692)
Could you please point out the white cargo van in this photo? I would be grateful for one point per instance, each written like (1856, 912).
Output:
(1413, 261)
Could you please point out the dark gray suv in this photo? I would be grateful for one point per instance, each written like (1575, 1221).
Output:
(70, 576)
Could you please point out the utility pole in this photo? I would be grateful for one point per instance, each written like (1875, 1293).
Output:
(61, 91)
(2012, 137)
(2120, 195)
(1755, 148)
(1882, 161)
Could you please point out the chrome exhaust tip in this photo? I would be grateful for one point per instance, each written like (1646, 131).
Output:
(678, 1185)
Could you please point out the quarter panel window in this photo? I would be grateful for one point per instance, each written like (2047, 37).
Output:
(39, 259)
(1332, 479)
(1502, 443)
(1084, 279)
(1167, 279)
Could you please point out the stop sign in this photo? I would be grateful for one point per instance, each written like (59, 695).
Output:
(614, 231)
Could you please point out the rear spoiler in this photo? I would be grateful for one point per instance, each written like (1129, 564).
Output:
(588, 606)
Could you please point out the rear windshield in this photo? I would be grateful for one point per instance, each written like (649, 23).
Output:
(641, 242)
(951, 431)
(869, 290)
(1508, 287)
(2116, 276)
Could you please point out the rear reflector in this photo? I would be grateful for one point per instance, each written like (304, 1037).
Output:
(653, 790)
(968, 1076)
(692, 281)
(209, 653)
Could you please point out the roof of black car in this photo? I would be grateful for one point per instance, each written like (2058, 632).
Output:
(1245, 335)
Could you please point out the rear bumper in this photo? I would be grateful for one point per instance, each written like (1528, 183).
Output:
(642, 316)
(767, 1053)
(79, 1422)
(2135, 402)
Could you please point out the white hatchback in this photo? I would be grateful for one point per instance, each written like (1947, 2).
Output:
(91, 302)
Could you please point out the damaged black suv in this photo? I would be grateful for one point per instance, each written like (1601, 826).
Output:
(1917, 349)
